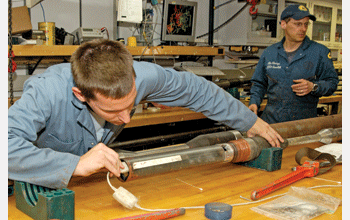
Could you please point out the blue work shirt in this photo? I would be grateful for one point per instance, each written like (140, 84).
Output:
(274, 76)
(49, 128)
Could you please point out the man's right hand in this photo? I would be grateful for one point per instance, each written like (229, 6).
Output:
(254, 108)
(98, 158)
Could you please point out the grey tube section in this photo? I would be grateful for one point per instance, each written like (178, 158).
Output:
(147, 165)
(325, 136)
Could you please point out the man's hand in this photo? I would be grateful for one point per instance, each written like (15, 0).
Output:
(264, 130)
(98, 158)
(302, 87)
(254, 108)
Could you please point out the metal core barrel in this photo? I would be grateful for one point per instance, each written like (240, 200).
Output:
(209, 149)
(307, 126)
(151, 164)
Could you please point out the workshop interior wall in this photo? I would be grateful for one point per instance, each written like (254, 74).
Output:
(65, 14)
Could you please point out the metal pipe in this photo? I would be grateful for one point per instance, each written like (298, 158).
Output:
(207, 149)
(250, 148)
(307, 126)
(285, 129)
(165, 138)
(229, 83)
(211, 29)
(199, 141)
(175, 160)
(239, 150)
(80, 14)
(211, 23)
(325, 136)
(214, 138)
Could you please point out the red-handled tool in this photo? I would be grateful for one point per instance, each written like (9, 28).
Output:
(308, 169)
(157, 215)
(253, 10)
(14, 65)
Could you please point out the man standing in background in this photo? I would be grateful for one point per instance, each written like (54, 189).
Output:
(293, 73)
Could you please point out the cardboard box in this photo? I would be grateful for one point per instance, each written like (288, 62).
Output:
(20, 20)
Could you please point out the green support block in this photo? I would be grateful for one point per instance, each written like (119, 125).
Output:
(43, 203)
(270, 159)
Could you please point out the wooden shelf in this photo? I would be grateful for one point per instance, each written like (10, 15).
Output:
(242, 61)
(31, 54)
(267, 14)
(177, 50)
(334, 100)
(337, 64)
(67, 50)
(175, 114)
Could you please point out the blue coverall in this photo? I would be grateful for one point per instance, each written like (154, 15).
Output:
(274, 76)
(49, 128)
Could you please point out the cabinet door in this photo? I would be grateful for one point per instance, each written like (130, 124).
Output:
(338, 29)
(327, 29)
(322, 27)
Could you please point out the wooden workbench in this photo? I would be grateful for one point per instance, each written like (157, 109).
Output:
(177, 114)
(223, 182)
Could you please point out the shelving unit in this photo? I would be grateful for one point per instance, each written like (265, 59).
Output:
(30, 53)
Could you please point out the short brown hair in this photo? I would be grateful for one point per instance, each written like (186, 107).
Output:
(287, 19)
(103, 66)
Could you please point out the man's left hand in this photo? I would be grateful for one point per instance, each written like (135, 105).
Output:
(264, 130)
(302, 87)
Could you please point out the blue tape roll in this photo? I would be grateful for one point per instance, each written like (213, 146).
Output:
(218, 211)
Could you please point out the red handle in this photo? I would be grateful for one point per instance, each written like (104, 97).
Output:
(307, 170)
(14, 65)
(252, 8)
(156, 215)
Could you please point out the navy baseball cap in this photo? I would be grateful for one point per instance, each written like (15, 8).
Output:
(297, 12)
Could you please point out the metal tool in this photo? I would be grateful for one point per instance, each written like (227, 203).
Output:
(308, 169)
(252, 9)
(163, 160)
(157, 215)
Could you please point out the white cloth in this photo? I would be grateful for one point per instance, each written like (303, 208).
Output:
(334, 149)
